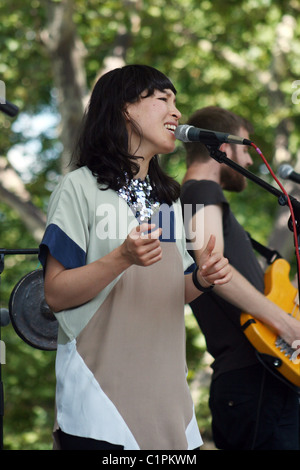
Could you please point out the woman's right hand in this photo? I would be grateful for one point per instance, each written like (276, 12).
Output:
(69, 288)
(142, 245)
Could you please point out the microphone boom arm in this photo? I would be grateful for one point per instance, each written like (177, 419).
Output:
(221, 157)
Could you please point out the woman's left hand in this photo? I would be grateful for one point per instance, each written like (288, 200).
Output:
(213, 267)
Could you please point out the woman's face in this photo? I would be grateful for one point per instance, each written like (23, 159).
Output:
(157, 118)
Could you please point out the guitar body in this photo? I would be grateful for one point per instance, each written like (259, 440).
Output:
(279, 290)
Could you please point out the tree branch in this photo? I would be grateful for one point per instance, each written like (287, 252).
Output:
(14, 194)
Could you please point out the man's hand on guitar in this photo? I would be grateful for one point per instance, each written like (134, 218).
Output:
(290, 331)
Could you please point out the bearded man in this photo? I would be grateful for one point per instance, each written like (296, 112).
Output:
(251, 407)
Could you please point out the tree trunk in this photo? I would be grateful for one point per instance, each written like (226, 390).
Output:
(281, 237)
(67, 52)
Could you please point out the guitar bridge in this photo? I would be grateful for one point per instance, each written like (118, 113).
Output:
(284, 347)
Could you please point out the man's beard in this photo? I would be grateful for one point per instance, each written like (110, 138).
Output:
(232, 180)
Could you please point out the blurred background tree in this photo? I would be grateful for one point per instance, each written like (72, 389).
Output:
(243, 56)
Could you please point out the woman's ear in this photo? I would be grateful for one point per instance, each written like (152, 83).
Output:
(126, 114)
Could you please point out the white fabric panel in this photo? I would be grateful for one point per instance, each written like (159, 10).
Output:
(95, 416)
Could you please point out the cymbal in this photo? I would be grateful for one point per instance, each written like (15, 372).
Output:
(30, 315)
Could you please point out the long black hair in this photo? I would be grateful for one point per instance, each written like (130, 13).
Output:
(103, 140)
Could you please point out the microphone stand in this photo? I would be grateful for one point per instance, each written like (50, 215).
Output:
(221, 157)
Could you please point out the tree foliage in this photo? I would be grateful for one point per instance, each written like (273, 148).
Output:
(243, 56)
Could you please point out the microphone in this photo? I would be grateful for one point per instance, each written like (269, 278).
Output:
(286, 172)
(9, 108)
(187, 133)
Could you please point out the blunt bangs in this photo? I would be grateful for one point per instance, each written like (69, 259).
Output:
(138, 78)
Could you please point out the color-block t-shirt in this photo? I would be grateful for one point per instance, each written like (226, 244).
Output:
(120, 367)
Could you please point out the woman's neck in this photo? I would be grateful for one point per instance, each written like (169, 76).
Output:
(143, 171)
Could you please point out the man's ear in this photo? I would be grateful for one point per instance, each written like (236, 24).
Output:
(226, 148)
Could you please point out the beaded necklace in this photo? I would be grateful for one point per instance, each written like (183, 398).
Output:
(140, 196)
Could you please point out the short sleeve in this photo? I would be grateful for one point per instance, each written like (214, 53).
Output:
(66, 236)
(203, 192)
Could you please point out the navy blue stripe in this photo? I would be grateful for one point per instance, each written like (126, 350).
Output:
(165, 219)
(61, 247)
(190, 269)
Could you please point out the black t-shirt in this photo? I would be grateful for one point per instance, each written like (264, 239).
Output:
(218, 319)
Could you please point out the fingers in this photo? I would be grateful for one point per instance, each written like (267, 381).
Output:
(143, 245)
(144, 231)
(210, 246)
(216, 270)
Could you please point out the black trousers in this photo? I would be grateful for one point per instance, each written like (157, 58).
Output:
(252, 409)
(69, 442)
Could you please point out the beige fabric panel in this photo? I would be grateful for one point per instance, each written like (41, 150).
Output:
(138, 353)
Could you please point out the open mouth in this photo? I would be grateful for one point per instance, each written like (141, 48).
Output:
(170, 127)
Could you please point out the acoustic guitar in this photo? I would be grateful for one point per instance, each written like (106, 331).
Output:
(281, 291)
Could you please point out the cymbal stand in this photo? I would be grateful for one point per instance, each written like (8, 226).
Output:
(12, 110)
(4, 252)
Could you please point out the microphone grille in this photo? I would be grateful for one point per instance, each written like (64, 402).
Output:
(181, 133)
(284, 171)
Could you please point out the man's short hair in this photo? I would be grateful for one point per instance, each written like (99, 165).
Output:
(215, 119)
